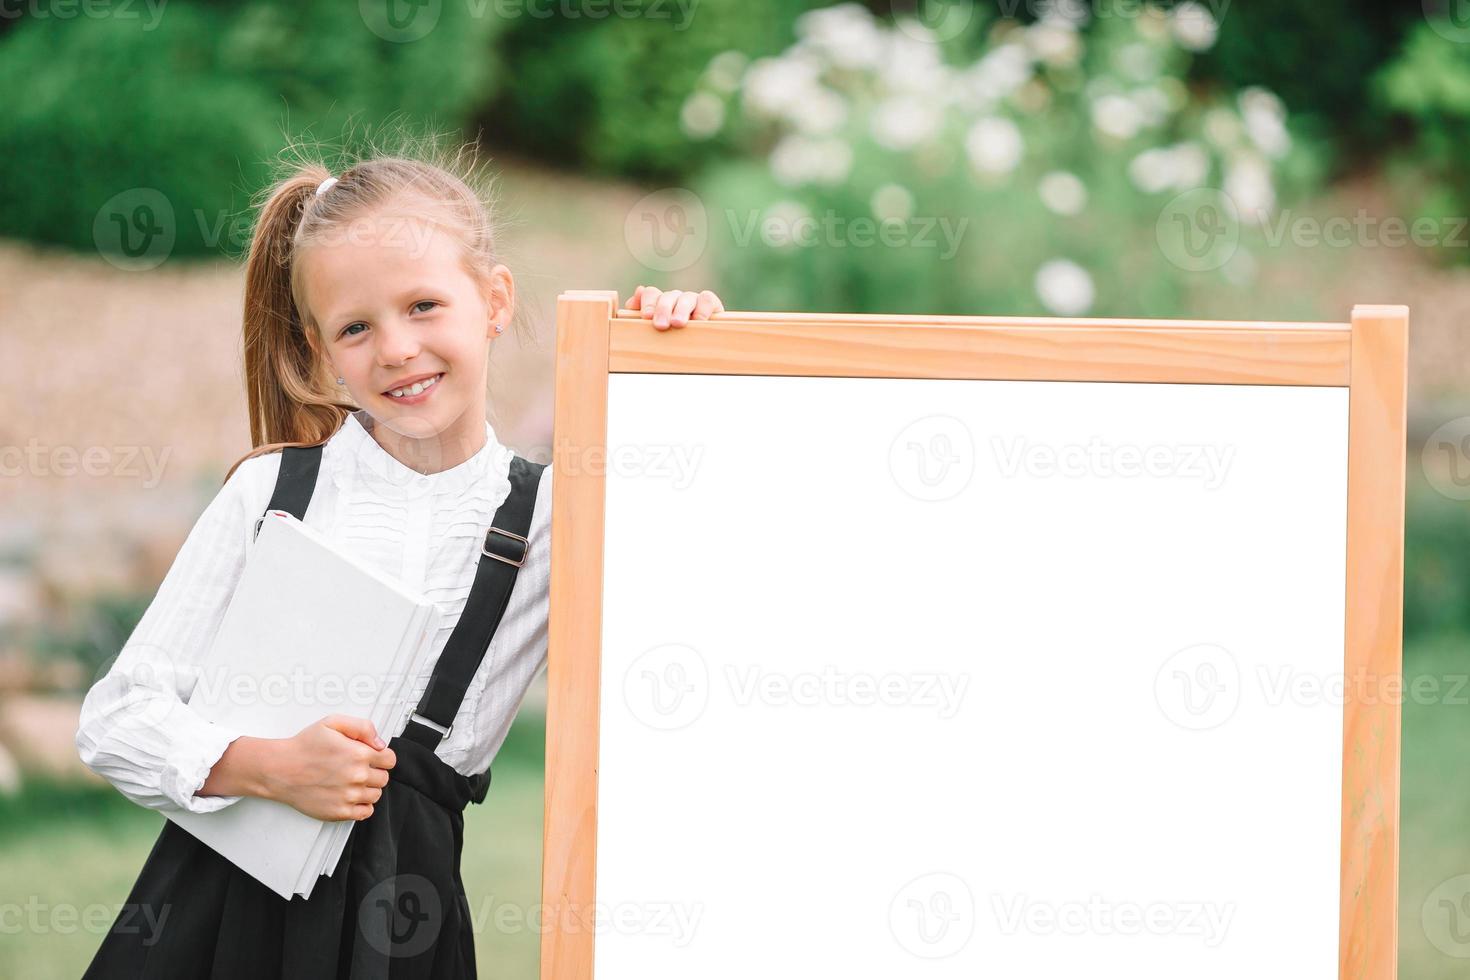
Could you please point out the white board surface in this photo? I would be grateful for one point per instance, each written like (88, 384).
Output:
(960, 679)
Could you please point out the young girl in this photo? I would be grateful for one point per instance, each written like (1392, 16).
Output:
(372, 300)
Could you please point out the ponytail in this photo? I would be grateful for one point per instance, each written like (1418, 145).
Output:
(287, 397)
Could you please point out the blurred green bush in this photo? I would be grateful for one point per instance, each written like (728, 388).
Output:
(1428, 85)
(605, 93)
(1056, 170)
(194, 103)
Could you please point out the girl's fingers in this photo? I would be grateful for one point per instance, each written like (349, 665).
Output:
(665, 307)
(708, 305)
(644, 298)
(683, 308)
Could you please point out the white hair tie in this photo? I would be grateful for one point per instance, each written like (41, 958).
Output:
(325, 186)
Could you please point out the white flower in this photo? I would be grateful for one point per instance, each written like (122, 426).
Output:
(821, 113)
(913, 67)
(724, 69)
(1193, 26)
(996, 75)
(1064, 287)
(901, 123)
(774, 84)
(1117, 116)
(1180, 167)
(798, 160)
(994, 145)
(892, 202)
(702, 115)
(1055, 41)
(1062, 192)
(1265, 120)
(845, 33)
(1248, 184)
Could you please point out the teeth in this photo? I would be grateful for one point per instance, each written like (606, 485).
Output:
(418, 387)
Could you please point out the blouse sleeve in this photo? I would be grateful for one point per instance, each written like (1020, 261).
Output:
(136, 731)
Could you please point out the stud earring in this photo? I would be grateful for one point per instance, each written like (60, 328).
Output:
(499, 328)
(340, 381)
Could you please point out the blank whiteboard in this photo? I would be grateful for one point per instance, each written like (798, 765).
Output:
(886, 676)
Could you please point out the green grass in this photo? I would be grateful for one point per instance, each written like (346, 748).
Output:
(68, 855)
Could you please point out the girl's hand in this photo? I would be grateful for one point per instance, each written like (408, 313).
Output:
(332, 769)
(675, 307)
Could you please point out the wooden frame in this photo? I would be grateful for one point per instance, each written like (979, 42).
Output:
(1367, 355)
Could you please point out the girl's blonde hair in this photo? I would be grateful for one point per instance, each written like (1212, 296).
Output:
(290, 398)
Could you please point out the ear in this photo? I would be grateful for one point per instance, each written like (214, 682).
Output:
(502, 300)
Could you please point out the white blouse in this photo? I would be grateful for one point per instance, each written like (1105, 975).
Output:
(426, 530)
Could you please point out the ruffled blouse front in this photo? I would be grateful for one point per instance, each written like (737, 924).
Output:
(423, 529)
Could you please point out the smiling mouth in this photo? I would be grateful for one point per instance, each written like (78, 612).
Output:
(417, 388)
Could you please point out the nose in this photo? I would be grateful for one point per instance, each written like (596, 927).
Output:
(397, 343)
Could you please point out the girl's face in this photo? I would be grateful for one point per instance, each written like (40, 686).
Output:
(395, 307)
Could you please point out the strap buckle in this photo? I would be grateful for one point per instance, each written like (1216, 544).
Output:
(431, 724)
(525, 547)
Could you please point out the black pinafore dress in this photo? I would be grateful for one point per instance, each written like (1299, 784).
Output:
(394, 907)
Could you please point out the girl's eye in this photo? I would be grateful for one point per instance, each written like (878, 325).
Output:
(346, 330)
(425, 302)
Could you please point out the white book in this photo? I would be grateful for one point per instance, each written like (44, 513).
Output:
(310, 631)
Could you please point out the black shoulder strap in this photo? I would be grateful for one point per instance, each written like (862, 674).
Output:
(501, 557)
(295, 482)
